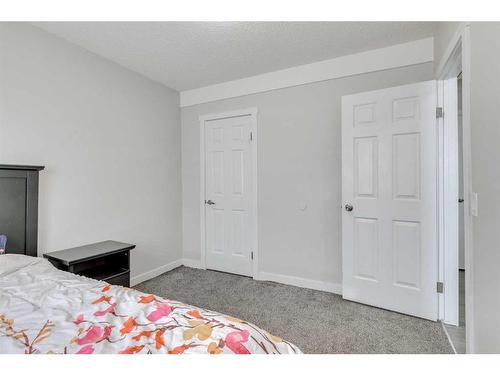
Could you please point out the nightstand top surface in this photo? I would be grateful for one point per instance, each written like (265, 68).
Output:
(88, 252)
(22, 167)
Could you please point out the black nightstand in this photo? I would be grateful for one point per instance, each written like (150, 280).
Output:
(107, 260)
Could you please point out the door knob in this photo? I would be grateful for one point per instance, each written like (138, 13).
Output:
(210, 202)
(349, 207)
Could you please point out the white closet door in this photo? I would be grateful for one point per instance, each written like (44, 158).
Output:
(228, 195)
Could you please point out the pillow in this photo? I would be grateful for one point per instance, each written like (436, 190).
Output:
(12, 262)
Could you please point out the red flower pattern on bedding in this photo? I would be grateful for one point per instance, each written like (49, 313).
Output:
(235, 340)
(164, 318)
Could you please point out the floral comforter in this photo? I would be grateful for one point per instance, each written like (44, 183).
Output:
(44, 310)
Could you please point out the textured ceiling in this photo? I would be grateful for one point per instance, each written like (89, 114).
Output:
(186, 55)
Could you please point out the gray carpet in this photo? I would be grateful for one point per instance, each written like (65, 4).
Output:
(317, 322)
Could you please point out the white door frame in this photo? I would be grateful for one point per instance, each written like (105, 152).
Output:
(253, 149)
(457, 56)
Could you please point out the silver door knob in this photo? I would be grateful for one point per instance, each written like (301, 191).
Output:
(210, 202)
(349, 207)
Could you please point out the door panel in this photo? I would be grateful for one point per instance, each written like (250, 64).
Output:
(406, 166)
(389, 239)
(228, 183)
(366, 167)
(406, 252)
(366, 255)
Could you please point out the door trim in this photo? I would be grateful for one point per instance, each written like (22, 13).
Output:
(252, 112)
(461, 42)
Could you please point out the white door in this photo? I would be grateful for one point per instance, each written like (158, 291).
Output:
(389, 222)
(228, 194)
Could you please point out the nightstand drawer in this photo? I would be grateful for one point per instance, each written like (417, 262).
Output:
(123, 279)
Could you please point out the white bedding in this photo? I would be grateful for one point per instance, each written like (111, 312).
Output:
(44, 310)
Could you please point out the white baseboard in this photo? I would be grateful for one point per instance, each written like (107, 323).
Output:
(264, 276)
(155, 272)
(301, 282)
(193, 263)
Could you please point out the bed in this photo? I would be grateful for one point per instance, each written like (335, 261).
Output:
(45, 310)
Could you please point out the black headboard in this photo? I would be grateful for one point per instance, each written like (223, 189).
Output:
(19, 207)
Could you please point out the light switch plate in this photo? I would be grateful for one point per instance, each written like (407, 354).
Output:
(473, 204)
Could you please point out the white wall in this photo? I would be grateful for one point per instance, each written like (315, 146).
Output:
(299, 161)
(485, 126)
(110, 141)
(485, 142)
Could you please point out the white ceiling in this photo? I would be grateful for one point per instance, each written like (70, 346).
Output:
(187, 55)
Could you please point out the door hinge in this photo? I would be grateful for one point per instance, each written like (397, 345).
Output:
(251, 255)
(251, 136)
(439, 287)
(439, 112)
